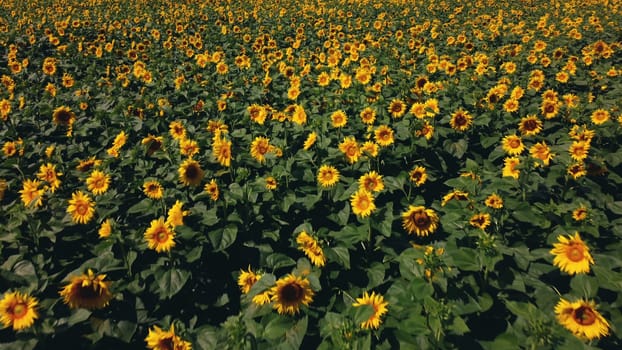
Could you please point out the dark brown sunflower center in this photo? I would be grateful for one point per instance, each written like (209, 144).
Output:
(291, 293)
(166, 344)
(530, 125)
(493, 98)
(63, 117)
(262, 148)
(584, 316)
(161, 236)
(86, 293)
(460, 120)
(421, 219)
(549, 108)
(192, 172)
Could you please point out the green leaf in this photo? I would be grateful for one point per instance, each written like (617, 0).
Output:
(223, 238)
(210, 217)
(459, 326)
(170, 282)
(277, 327)
(465, 259)
(278, 260)
(295, 335)
(266, 281)
(615, 207)
(79, 315)
(363, 313)
(340, 254)
(584, 286)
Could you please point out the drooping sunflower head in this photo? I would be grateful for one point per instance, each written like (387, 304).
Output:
(572, 255)
(481, 220)
(379, 306)
(290, 293)
(419, 220)
(190, 172)
(88, 291)
(311, 247)
(159, 339)
(221, 151)
(582, 319)
(18, 310)
(350, 148)
(175, 215)
(247, 279)
(212, 189)
(259, 148)
(310, 141)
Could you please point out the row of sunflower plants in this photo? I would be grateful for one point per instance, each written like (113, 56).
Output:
(338, 174)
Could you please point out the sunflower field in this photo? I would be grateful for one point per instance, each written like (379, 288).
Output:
(335, 174)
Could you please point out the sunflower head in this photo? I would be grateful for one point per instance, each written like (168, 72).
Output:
(582, 319)
(190, 172)
(160, 236)
(290, 293)
(18, 310)
(572, 255)
(88, 291)
(379, 306)
(419, 220)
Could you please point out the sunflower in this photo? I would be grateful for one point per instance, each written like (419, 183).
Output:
(81, 207)
(257, 113)
(371, 182)
(461, 120)
(221, 150)
(212, 189)
(339, 119)
(541, 151)
(530, 125)
(190, 172)
(418, 176)
(259, 148)
(175, 215)
(262, 298)
(512, 145)
(310, 141)
(31, 194)
(299, 116)
(18, 310)
(370, 148)
(9, 148)
(582, 319)
(481, 220)
(427, 131)
(454, 195)
(580, 213)
(105, 229)
(576, 170)
(160, 236)
(384, 135)
(188, 147)
(87, 164)
(368, 115)
(549, 108)
(509, 168)
(159, 339)
(247, 279)
(572, 255)
(3, 187)
(511, 105)
(350, 148)
(397, 108)
(119, 141)
(5, 108)
(578, 150)
(271, 183)
(290, 292)
(362, 203)
(376, 301)
(418, 110)
(88, 291)
(323, 79)
(177, 130)
(153, 189)
(494, 201)
(63, 116)
(312, 249)
(600, 116)
(98, 182)
(419, 220)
